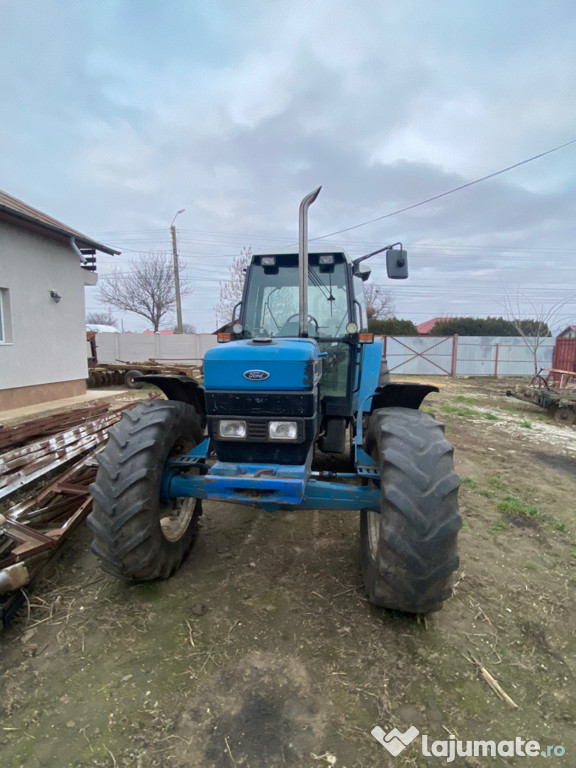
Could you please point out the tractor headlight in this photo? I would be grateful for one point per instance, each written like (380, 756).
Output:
(230, 429)
(283, 430)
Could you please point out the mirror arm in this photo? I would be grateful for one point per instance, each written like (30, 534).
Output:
(369, 255)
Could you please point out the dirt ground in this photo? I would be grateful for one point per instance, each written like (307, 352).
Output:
(262, 651)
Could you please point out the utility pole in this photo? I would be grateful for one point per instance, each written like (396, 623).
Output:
(176, 274)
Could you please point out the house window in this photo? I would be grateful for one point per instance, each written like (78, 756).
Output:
(5, 326)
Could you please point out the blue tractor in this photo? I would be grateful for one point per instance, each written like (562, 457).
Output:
(299, 381)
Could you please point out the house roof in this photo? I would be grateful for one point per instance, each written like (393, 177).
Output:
(17, 212)
(427, 326)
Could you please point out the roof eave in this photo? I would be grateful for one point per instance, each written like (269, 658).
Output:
(81, 240)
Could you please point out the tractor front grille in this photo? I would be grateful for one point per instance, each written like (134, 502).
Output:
(243, 403)
(257, 430)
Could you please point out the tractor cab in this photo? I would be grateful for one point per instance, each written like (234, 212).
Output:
(270, 302)
(336, 314)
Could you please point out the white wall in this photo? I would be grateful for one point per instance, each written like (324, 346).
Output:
(139, 347)
(48, 340)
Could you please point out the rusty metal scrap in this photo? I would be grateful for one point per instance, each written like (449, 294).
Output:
(31, 531)
(22, 465)
(48, 425)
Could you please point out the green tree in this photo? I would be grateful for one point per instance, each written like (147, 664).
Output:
(474, 326)
(490, 326)
(393, 326)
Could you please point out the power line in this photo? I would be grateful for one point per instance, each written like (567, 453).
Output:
(449, 192)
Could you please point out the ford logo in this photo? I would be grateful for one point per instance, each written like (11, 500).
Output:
(256, 375)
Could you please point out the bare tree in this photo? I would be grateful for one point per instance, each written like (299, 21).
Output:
(101, 318)
(231, 289)
(147, 289)
(538, 328)
(379, 304)
(186, 328)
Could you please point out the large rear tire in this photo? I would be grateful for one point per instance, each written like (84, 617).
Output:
(409, 550)
(136, 536)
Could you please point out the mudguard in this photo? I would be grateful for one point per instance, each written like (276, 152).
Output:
(181, 388)
(401, 395)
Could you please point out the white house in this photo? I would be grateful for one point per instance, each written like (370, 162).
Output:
(42, 327)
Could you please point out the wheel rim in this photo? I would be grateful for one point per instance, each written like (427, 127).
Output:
(373, 523)
(174, 521)
(564, 415)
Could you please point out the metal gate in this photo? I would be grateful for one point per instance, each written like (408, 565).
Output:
(421, 355)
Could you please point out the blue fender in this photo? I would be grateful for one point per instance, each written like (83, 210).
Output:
(370, 361)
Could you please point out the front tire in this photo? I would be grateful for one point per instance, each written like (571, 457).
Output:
(408, 550)
(136, 536)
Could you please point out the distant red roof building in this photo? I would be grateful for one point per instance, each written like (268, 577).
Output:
(425, 328)
(568, 333)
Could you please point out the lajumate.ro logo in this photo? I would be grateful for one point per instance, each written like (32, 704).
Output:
(396, 741)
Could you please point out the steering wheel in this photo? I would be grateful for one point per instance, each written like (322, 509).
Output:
(308, 317)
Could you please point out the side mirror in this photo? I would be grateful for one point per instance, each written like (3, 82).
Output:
(362, 271)
(397, 264)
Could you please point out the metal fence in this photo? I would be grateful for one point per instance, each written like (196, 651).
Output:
(419, 355)
(466, 355)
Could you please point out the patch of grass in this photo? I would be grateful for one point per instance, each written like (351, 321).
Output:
(573, 579)
(491, 417)
(448, 408)
(530, 566)
(468, 412)
(507, 408)
(573, 552)
(473, 486)
(465, 399)
(486, 494)
(526, 424)
(459, 411)
(499, 527)
(496, 484)
(512, 505)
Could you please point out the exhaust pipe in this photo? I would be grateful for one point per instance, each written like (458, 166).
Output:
(303, 260)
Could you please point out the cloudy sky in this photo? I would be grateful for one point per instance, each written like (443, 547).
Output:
(118, 113)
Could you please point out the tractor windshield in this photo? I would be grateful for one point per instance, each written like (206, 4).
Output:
(272, 295)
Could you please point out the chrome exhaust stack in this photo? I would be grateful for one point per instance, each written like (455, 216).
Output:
(303, 261)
